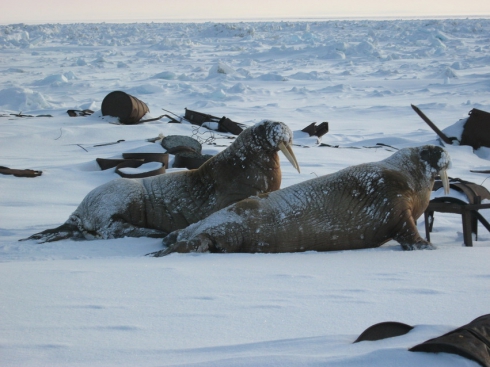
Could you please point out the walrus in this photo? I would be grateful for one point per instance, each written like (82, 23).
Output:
(155, 206)
(358, 207)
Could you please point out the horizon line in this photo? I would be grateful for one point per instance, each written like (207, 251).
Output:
(253, 19)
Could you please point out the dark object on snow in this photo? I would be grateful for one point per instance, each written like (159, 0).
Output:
(468, 210)
(106, 163)
(230, 126)
(20, 114)
(104, 144)
(443, 136)
(475, 193)
(75, 113)
(384, 330)
(190, 160)
(177, 143)
(127, 108)
(134, 160)
(20, 172)
(187, 151)
(480, 171)
(476, 131)
(199, 118)
(131, 163)
(224, 124)
(471, 341)
(319, 130)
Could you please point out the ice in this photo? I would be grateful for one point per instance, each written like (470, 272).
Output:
(103, 303)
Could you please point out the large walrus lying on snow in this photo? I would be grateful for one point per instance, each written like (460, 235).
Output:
(358, 207)
(158, 205)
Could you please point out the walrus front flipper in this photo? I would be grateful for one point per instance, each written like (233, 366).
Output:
(420, 244)
(66, 230)
(409, 238)
(471, 341)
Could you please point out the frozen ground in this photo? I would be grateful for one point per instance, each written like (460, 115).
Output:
(102, 303)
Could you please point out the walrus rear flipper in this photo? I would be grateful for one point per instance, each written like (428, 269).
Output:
(160, 253)
(62, 232)
(182, 247)
(202, 243)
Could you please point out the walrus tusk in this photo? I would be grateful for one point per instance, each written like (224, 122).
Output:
(288, 152)
(445, 181)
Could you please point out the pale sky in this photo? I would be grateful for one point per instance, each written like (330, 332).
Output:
(63, 11)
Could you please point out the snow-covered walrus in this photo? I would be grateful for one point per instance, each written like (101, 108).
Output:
(358, 207)
(158, 205)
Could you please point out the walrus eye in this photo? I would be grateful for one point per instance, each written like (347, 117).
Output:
(288, 152)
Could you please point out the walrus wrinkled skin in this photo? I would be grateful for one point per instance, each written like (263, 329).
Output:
(158, 205)
(358, 207)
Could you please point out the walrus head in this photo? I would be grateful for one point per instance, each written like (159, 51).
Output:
(437, 161)
(423, 163)
(273, 136)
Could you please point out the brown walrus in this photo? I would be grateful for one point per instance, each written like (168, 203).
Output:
(158, 205)
(358, 207)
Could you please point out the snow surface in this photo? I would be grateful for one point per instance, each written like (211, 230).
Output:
(102, 303)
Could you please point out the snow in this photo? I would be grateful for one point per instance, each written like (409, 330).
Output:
(147, 167)
(103, 303)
